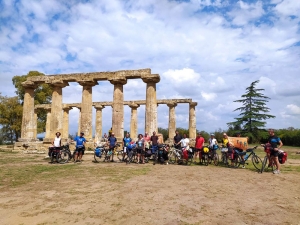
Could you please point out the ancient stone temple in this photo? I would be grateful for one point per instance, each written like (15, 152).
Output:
(58, 113)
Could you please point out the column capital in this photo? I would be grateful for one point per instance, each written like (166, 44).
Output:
(29, 85)
(172, 104)
(99, 107)
(193, 104)
(58, 84)
(133, 105)
(118, 80)
(154, 78)
(90, 83)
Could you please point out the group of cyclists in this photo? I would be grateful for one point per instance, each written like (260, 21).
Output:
(182, 143)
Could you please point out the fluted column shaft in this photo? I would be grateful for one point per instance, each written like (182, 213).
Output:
(192, 120)
(65, 133)
(56, 124)
(172, 119)
(118, 109)
(98, 125)
(79, 121)
(35, 124)
(151, 106)
(27, 129)
(86, 110)
(48, 122)
(133, 121)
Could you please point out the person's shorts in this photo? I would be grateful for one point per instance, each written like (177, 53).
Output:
(80, 150)
(274, 153)
(140, 151)
(198, 149)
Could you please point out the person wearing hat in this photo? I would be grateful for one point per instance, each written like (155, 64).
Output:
(80, 147)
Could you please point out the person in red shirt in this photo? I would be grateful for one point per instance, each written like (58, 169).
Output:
(199, 145)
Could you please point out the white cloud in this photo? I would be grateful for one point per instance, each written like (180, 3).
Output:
(288, 7)
(293, 109)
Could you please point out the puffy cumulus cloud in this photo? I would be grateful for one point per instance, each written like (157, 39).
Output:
(293, 109)
(208, 96)
(288, 7)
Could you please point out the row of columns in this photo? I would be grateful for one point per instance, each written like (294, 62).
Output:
(58, 116)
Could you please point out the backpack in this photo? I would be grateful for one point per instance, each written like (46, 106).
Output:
(282, 156)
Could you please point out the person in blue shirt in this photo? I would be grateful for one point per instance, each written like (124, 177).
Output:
(80, 147)
(276, 144)
(126, 141)
(112, 140)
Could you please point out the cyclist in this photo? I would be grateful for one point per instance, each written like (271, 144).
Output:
(199, 145)
(80, 147)
(112, 140)
(177, 139)
(147, 139)
(140, 149)
(229, 145)
(274, 141)
(56, 143)
(126, 141)
(154, 142)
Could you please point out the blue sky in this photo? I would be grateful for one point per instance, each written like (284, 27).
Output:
(207, 50)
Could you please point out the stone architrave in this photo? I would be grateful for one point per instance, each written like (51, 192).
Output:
(86, 124)
(192, 120)
(65, 133)
(133, 121)
(28, 124)
(48, 122)
(118, 107)
(151, 104)
(98, 124)
(172, 119)
(56, 124)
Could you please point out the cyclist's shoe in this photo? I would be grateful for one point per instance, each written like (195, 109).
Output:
(243, 167)
(112, 160)
(276, 172)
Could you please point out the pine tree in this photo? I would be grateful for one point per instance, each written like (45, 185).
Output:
(253, 112)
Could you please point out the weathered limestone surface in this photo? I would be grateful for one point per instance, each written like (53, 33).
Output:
(118, 108)
(56, 124)
(28, 125)
(35, 123)
(133, 121)
(86, 109)
(65, 133)
(48, 121)
(79, 121)
(192, 120)
(151, 104)
(98, 125)
(172, 119)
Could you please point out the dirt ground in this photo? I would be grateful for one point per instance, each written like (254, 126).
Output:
(116, 193)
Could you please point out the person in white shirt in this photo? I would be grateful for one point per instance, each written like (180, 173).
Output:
(185, 142)
(212, 141)
(57, 140)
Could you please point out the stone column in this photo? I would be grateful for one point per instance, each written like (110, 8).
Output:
(56, 124)
(48, 122)
(86, 109)
(133, 121)
(65, 133)
(192, 120)
(79, 121)
(98, 124)
(35, 124)
(151, 105)
(118, 108)
(172, 119)
(27, 129)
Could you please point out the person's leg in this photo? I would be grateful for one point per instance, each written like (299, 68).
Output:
(138, 158)
(80, 156)
(112, 154)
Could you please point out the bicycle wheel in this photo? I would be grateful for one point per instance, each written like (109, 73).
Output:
(237, 160)
(120, 155)
(257, 162)
(172, 157)
(52, 157)
(205, 159)
(189, 161)
(129, 157)
(264, 163)
(97, 158)
(215, 159)
(155, 158)
(62, 157)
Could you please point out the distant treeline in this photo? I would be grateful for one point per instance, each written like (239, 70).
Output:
(289, 136)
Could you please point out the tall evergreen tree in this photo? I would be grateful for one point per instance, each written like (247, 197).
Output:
(253, 112)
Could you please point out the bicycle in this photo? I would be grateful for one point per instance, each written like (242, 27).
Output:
(64, 155)
(98, 152)
(204, 156)
(238, 160)
(224, 156)
(213, 155)
(132, 156)
(159, 154)
(268, 158)
(174, 155)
